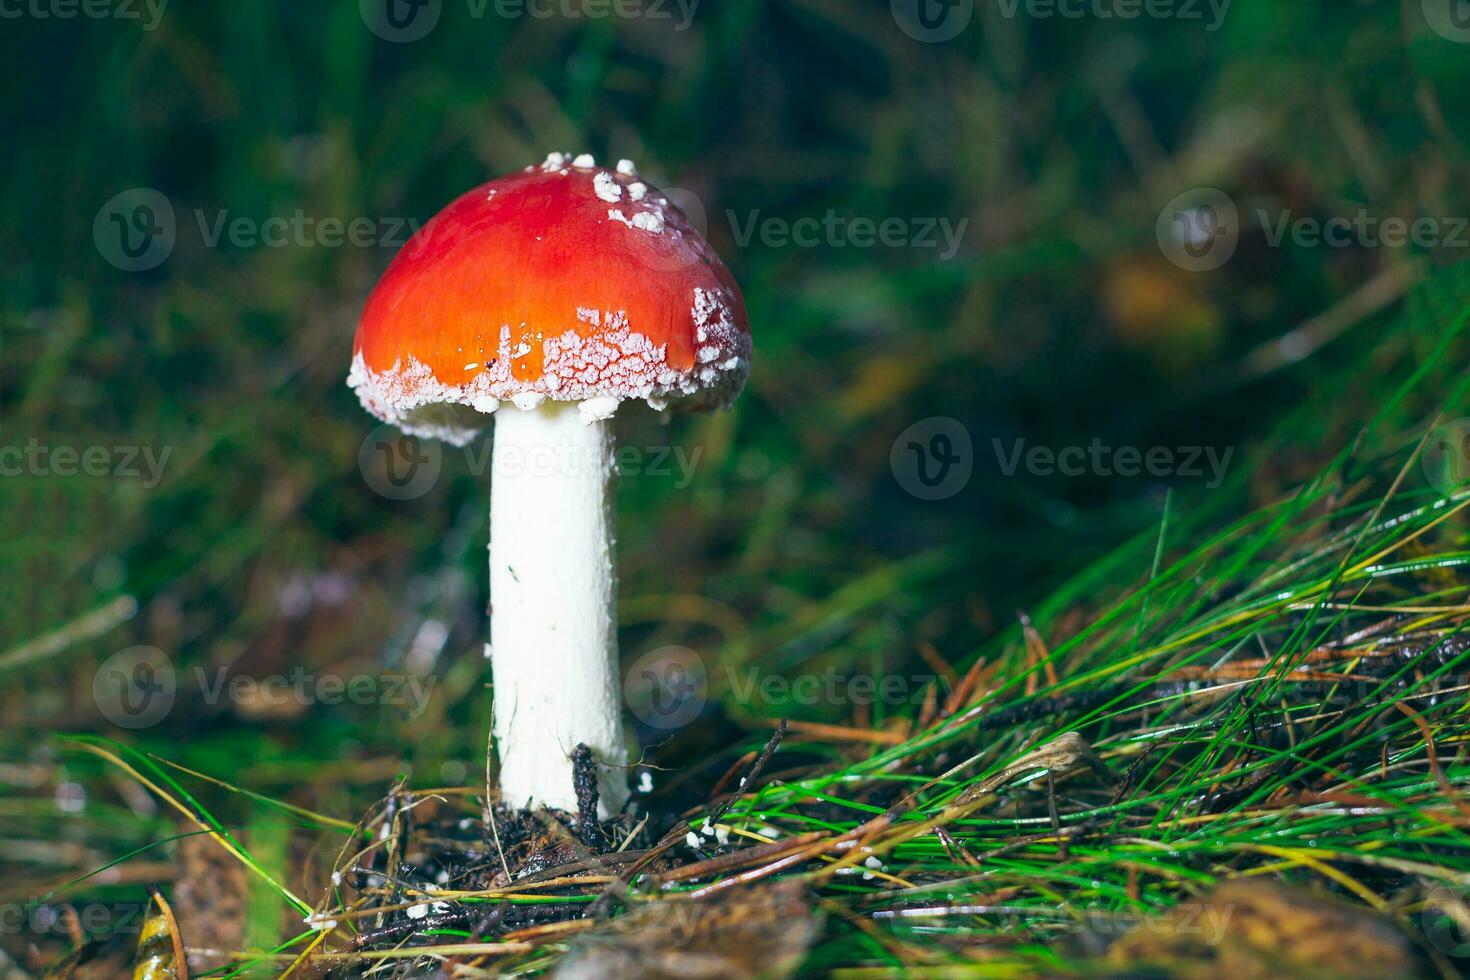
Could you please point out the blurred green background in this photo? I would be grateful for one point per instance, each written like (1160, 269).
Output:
(1060, 145)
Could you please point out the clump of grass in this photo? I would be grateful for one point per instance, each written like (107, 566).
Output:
(1279, 697)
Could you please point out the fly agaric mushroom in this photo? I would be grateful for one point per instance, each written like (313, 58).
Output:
(544, 300)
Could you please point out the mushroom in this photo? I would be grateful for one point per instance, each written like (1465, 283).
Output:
(544, 300)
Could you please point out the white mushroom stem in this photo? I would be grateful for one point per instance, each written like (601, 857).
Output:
(553, 595)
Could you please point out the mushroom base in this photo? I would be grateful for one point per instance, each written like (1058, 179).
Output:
(553, 595)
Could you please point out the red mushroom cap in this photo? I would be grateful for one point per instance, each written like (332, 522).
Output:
(566, 281)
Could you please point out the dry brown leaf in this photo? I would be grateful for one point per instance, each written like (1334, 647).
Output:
(1254, 930)
(753, 931)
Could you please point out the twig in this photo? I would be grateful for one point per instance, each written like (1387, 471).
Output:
(751, 773)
